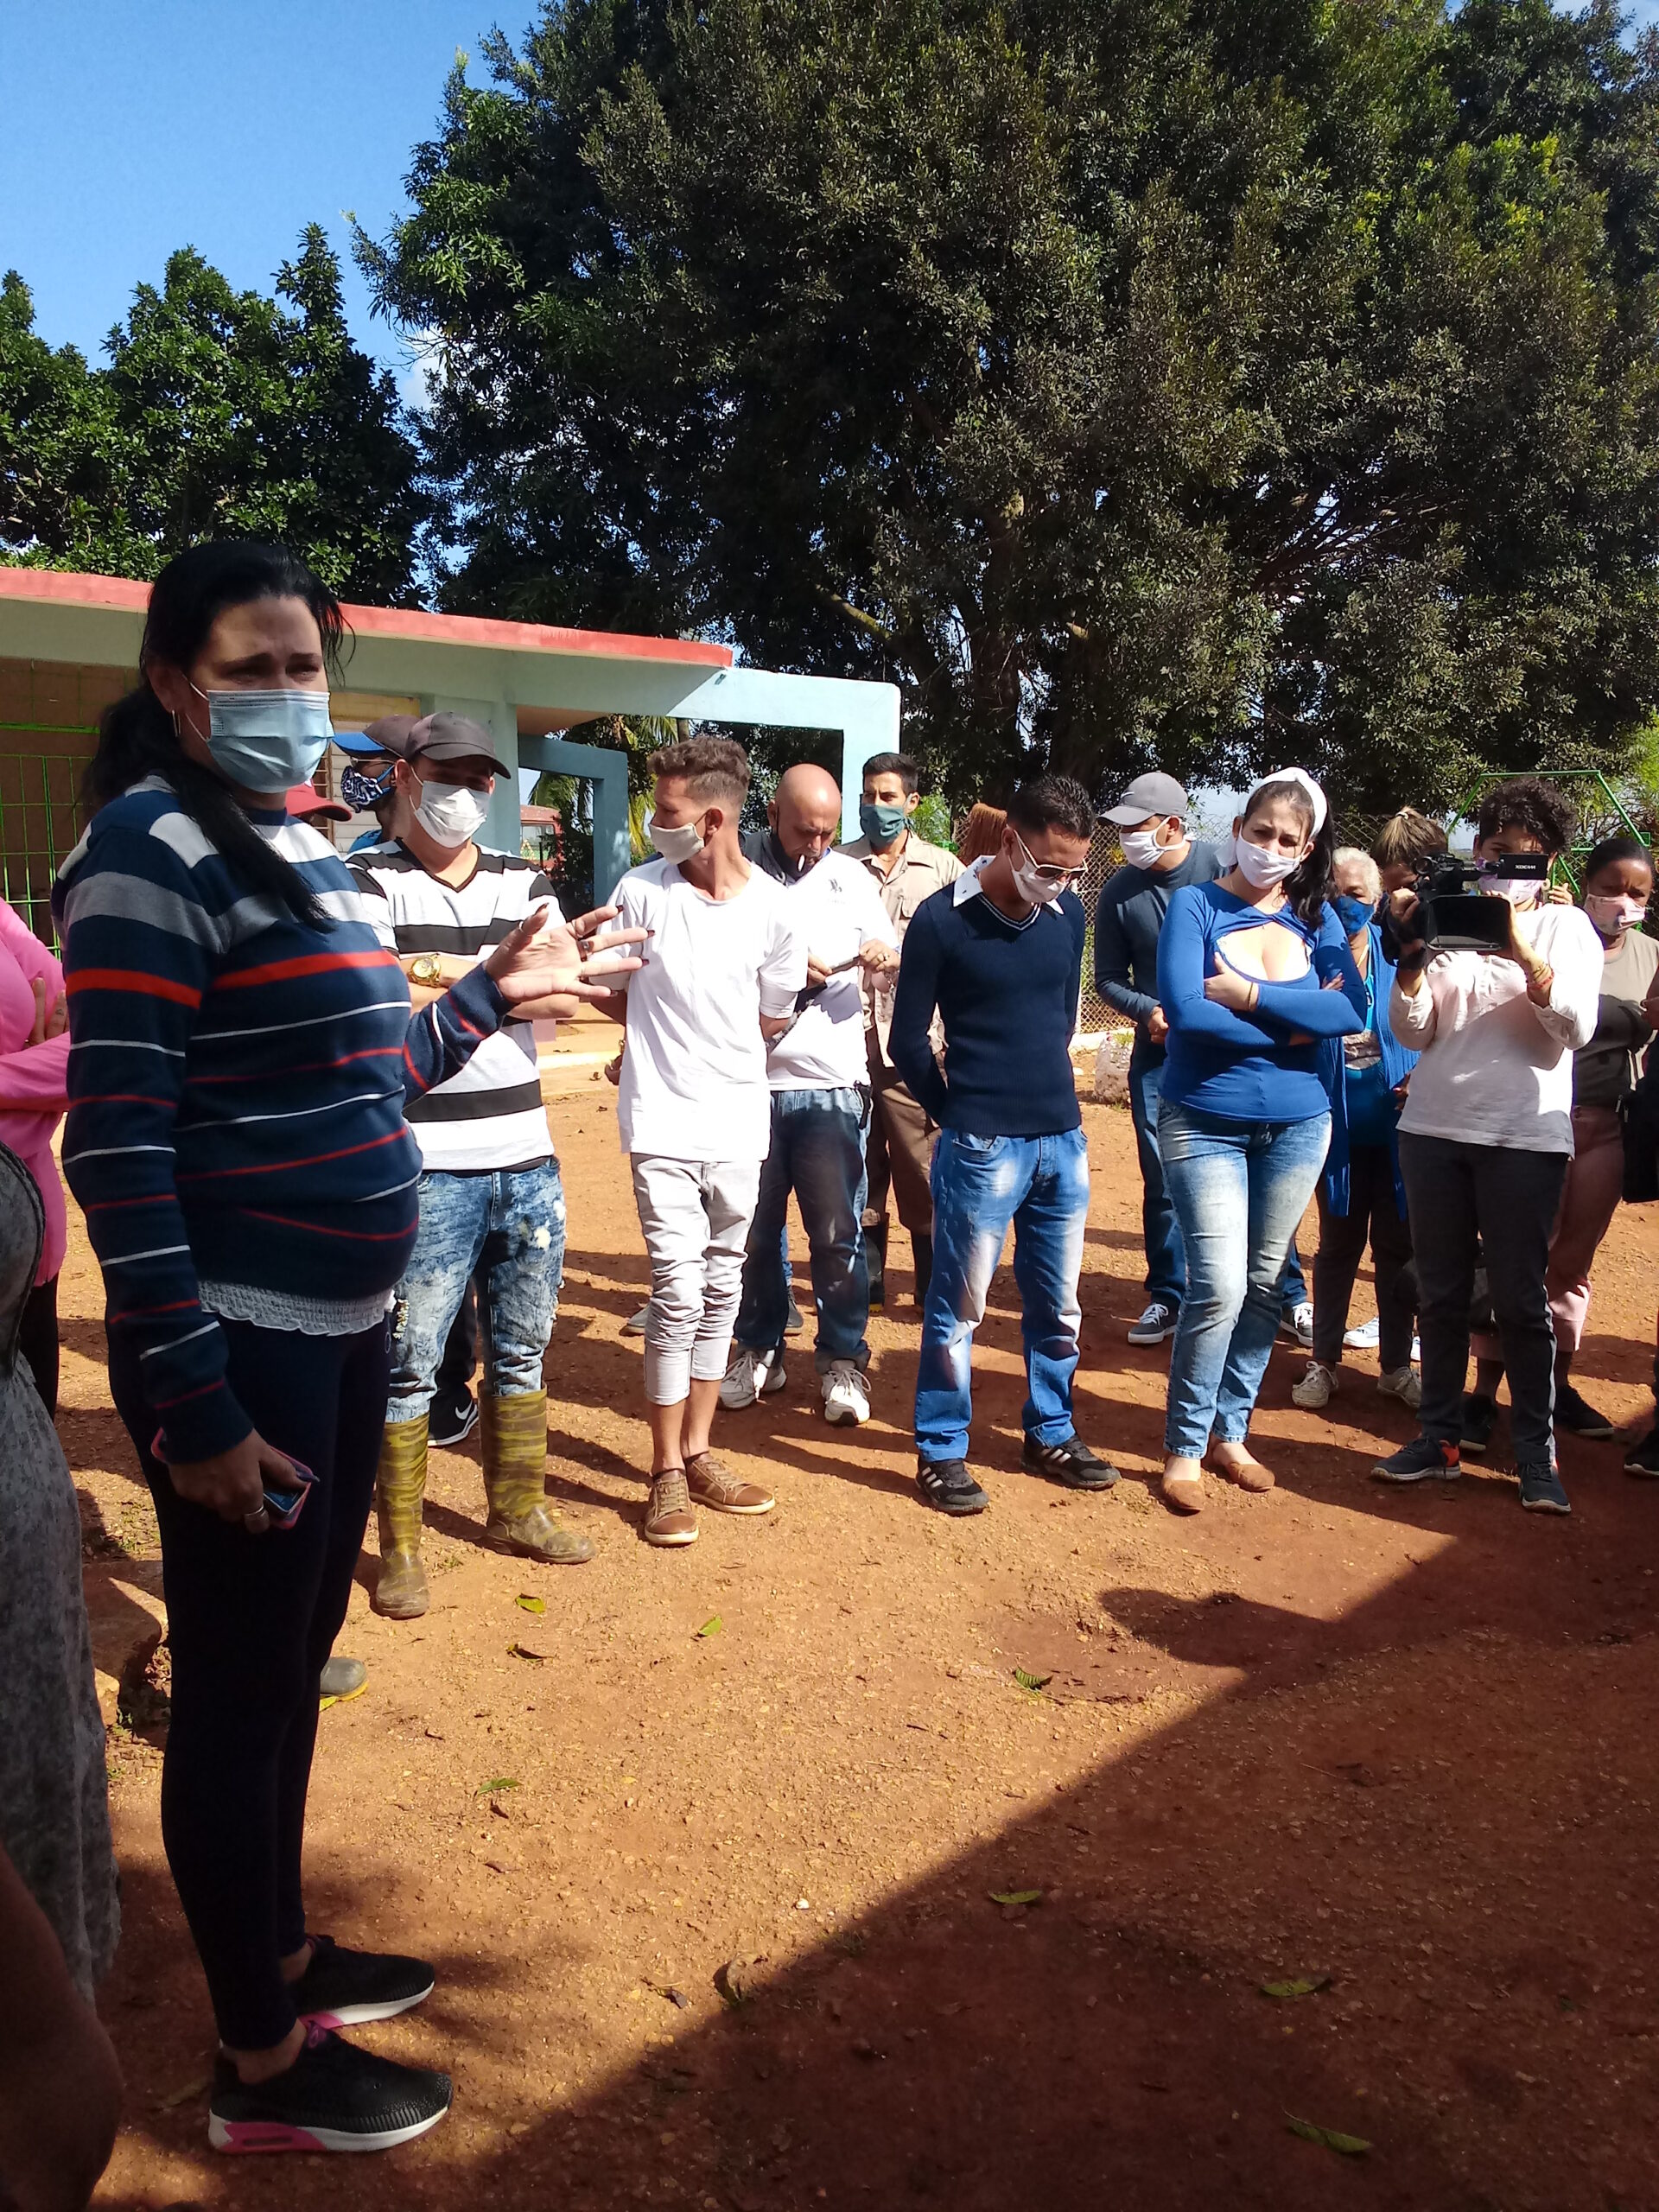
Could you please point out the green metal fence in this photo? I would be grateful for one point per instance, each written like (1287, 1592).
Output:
(41, 817)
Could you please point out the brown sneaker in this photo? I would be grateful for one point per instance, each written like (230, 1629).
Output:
(714, 1485)
(668, 1518)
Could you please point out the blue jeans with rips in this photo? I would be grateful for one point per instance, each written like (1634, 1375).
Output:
(505, 1228)
(818, 1151)
(980, 1185)
(1240, 1189)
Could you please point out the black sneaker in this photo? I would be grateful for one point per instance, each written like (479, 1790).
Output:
(1541, 1490)
(452, 1417)
(342, 1988)
(1642, 1459)
(1424, 1459)
(333, 2097)
(1477, 1421)
(947, 1485)
(1576, 1418)
(1071, 1462)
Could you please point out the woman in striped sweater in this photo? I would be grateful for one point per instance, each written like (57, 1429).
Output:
(241, 1049)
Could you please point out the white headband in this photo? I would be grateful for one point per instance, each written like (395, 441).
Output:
(1315, 796)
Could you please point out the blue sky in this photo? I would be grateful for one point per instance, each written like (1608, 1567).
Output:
(131, 127)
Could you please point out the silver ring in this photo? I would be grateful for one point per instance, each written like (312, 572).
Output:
(257, 1522)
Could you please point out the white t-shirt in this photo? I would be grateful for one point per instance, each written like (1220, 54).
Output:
(836, 908)
(491, 1115)
(1496, 1068)
(693, 1074)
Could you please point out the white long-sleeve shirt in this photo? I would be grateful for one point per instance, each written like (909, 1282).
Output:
(1496, 1068)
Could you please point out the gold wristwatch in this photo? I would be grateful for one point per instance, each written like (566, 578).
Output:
(427, 970)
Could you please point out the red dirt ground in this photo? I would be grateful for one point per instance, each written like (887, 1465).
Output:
(1407, 1742)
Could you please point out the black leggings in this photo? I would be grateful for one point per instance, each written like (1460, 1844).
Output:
(251, 1621)
(37, 1340)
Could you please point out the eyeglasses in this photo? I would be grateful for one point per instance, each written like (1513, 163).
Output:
(1064, 876)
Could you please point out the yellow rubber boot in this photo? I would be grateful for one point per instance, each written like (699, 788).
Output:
(522, 1515)
(399, 1491)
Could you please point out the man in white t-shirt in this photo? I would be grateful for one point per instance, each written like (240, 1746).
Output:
(819, 1075)
(724, 965)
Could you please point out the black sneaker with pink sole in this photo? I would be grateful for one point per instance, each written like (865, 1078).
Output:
(333, 2097)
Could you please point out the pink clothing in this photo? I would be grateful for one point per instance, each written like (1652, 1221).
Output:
(1594, 1182)
(31, 1077)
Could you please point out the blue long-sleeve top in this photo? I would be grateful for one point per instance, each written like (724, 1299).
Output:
(1395, 1064)
(1243, 1067)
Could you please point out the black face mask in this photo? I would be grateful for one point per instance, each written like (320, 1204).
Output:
(788, 867)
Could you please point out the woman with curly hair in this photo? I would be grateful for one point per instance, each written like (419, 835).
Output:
(1487, 1131)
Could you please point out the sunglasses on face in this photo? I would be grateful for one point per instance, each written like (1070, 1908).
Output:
(1066, 877)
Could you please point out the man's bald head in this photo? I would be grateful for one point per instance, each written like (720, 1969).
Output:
(805, 814)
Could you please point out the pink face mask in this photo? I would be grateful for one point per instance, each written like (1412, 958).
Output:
(1612, 917)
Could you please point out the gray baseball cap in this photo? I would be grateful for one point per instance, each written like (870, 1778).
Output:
(1149, 795)
(447, 736)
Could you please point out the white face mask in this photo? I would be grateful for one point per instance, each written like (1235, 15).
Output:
(1141, 848)
(1613, 916)
(451, 814)
(676, 845)
(1521, 891)
(1037, 890)
(1262, 869)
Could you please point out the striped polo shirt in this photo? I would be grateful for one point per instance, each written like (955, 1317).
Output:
(238, 1083)
(490, 1115)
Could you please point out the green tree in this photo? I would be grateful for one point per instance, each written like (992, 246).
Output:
(218, 414)
(1215, 381)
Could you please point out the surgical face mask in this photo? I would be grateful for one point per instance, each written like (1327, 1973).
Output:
(1521, 891)
(1262, 869)
(267, 740)
(451, 814)
(676, 845)
(1353, 913)
(1141, 848)
(1613, 916)
(882, 825)
(1035, 887)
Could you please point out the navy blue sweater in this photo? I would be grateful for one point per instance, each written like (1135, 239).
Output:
(1007, 993)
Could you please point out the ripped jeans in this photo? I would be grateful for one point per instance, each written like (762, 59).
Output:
(980, 1185)
(504, 1227)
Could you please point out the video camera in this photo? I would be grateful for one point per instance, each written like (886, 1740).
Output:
(1453, 914)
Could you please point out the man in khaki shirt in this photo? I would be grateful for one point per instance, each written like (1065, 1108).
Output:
(906, 869)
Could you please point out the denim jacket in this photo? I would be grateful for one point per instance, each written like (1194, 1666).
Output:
(1397, 1064)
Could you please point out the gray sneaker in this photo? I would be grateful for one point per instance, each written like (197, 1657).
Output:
(1542, 1491)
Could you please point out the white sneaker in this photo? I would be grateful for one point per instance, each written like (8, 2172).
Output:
(1364, 1338)
(1404, 1384)
(635, 1324)
(846, 1395)
(1155, 1324)
(751, 1376)
(1302, 1320)
(1317, 1387)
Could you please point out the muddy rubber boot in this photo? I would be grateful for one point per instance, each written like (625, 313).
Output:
(922, 1252)
(399, 1491)
(875, 1259)
(523, 1518)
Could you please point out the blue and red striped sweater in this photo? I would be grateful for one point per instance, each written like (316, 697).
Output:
(237, 1084)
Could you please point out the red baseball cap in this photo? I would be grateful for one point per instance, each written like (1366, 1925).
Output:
(306, 802)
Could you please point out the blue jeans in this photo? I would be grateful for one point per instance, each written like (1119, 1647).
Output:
(1240, 1189)
(1161, 1227)
(506, 1227)
(980, 1185)
(1160, 1231)
(818, 1151)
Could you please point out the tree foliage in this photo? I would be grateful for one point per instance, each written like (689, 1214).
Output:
(218, 414)
(1215, 381)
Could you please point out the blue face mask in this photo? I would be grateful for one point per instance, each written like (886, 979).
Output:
(882, 825)
(1352, 913)
(267, 740)
(362, 792)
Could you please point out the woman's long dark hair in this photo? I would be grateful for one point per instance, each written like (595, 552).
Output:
(1308, 887)
(135, 736)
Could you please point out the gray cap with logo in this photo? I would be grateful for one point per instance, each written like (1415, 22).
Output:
(445, 736)
(1149, 795)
